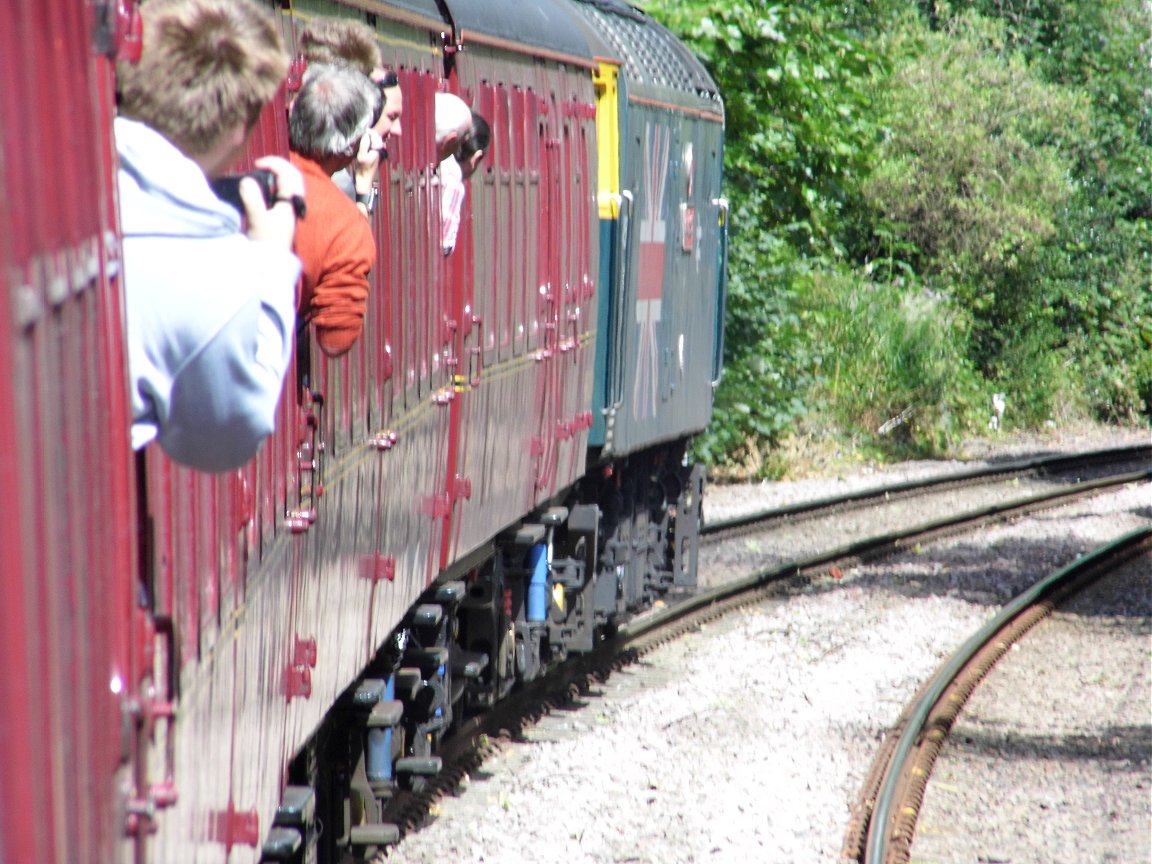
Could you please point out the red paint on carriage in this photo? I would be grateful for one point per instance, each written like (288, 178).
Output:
(68, 533)
(221, 637)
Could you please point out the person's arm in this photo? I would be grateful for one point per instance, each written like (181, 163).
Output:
(275, 224)
(451, 203)
(224, 399)
(340, 299)
(366, 172)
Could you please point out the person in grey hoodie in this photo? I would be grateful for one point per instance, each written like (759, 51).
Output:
(209, 298)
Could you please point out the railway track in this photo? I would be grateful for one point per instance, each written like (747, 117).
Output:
(885, 817)
(475, 739)
(1075, 467)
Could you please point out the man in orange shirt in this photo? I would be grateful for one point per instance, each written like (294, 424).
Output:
(333, 111)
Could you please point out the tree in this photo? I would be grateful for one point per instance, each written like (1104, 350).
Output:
(799, 139)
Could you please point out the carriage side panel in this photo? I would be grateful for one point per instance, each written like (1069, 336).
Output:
(68, 536)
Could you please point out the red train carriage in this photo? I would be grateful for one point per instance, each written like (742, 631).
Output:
(244, 666)
(71, 664)
(284, 579)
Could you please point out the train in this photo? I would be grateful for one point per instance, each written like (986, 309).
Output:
(246, 666)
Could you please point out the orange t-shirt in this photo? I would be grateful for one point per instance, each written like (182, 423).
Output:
(336, 251)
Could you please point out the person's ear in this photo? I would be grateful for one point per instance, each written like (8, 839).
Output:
(449, 146)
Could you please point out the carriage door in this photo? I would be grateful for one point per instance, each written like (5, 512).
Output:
(549, 298)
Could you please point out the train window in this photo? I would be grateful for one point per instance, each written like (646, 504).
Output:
(521, 217)
(505, 262)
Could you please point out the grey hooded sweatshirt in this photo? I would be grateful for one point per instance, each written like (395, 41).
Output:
(210, 314)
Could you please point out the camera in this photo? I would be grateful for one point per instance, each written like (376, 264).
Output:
(228, 188)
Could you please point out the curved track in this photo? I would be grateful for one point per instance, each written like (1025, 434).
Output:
(1075, 466)
(475, 738)
(885, 818)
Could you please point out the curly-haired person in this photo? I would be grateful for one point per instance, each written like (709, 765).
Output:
(348, 42)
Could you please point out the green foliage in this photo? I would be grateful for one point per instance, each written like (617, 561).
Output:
(1096, 272)
(894, 367)
(795, 79)
(972, 173)
(1015, 176)
(1101, 50)
(930, 203)
(1097, 276)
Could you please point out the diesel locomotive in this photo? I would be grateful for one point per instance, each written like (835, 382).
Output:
(246, 666)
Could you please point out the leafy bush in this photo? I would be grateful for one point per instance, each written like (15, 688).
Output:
(1097, 270)
(972, 172)
(992, 153)
(796, 85)
(894, 368)
(991, 185)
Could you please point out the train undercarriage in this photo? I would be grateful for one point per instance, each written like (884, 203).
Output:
(558, 583)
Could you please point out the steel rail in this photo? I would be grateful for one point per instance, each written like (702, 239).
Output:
(888, 830)
(476, 738)
(1038, 465)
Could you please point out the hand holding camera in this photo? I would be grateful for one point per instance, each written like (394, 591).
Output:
(366, 167)
(271, 197)
(227, 188)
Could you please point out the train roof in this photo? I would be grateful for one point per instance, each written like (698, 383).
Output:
(549, 25)
(656, 64)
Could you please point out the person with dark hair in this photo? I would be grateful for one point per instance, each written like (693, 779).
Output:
(462, 139)
(330, 116)
(474, 146)
(209, 303)
(364, 174)
(348, 42)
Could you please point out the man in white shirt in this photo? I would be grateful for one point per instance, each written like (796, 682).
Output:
(462, 139)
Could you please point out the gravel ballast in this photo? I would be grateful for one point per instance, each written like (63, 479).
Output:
(749, 740)
(1056, 742)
